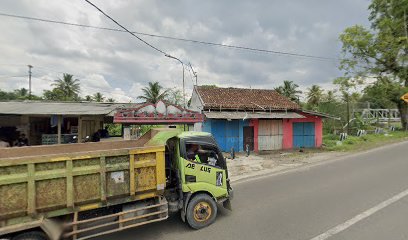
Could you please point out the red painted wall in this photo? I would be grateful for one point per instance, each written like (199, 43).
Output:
(255, 123)
(288, 130)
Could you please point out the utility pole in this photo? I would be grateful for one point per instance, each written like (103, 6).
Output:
(184, 89)
(194, 73)
(348, 112)
(29, 81)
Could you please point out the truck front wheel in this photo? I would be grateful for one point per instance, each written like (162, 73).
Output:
(35, 235)
(201, 211)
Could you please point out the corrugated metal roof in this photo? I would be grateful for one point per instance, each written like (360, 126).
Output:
(57, 108)
(324, 115)
(252, 115)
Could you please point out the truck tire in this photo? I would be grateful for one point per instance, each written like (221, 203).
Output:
(35, 235)
(201, 211)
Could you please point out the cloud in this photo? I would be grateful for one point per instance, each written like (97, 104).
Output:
(118, 65)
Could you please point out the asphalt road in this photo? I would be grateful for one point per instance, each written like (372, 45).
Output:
(354, 197)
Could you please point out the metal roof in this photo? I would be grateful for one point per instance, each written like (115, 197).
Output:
(252, 115)
(57, 108)
(323, 115)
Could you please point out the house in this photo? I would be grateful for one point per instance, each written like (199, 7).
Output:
(52, 122)
(258, 118)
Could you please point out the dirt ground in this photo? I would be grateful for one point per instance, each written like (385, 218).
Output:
(268, 162)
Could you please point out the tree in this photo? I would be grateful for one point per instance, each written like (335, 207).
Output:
(314, 96)
(98, 97)
(111, 100)
(53, 95)
(329, 97)
(381, 51)
(88, 98)
(290, 90)
(175, 96)
(68, 87)
(21, 93)
(378, 94)
(153, 93)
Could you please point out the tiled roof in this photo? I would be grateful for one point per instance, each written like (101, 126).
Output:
(243, 98)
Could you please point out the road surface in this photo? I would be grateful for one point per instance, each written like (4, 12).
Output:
(363, 196)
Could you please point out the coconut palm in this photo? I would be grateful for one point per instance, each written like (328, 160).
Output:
(314, 96)
(88, 98)
(68, 86)
(330, 96)
(98, 97)
(290, 90)
(153, 93)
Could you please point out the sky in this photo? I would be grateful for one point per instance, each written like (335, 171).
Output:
(118, 65)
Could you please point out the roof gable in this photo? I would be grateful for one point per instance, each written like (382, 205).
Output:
(243, 98)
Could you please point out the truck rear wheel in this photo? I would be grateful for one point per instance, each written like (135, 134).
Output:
(201, 211)
(35, 235)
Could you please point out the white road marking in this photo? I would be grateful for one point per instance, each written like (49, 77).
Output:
(361, 216)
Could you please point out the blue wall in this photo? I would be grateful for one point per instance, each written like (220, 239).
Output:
(228, 134)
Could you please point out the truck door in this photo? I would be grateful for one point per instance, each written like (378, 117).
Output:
(204, 168)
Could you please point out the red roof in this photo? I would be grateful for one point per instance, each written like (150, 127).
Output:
(243, 98)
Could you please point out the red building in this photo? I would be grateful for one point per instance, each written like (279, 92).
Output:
(259, 118)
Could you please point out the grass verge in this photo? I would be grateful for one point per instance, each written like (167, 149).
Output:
(353, 143)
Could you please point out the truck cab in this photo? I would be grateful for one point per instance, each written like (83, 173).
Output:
(196, 177)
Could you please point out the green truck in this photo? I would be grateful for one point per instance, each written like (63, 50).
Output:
(85, 190)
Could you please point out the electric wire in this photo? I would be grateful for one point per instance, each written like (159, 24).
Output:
(113, 20)
(252, 49)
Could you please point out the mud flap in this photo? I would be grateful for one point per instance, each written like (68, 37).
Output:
(227, 204)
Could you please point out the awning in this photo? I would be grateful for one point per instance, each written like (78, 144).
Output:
(252, 115)
(57, 108)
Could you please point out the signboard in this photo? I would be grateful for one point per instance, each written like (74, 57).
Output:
(405, 97)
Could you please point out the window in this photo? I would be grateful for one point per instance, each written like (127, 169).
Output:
(204, 154)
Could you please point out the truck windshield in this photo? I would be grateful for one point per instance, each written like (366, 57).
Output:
(204, 154)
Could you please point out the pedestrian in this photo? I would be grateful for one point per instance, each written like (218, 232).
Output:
(22, 141)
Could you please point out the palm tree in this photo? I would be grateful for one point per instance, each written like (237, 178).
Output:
(330, 97)
(290, 90)
(153, 93)
(88, 98)
(110, 100)
(98, 97)
(68, 86)
(314, 96)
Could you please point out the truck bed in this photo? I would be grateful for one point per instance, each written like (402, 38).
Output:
(67, 149)
(50, 181)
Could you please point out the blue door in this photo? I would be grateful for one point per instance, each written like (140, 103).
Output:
(232, 135)
(226, 133)
(304, 135)
(218, 131)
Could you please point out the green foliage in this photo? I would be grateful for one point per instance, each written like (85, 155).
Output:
(88, 98)
(175, 96)
(353, 143)
(66, 89)
(314, 97)
(154, 93)
(290, 90)
(114, 129)
(98, 97)
(380, 52)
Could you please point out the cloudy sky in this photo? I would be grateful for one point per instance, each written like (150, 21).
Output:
(119, 65)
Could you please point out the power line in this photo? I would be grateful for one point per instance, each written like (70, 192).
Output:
(113, 20)
(252, 49)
